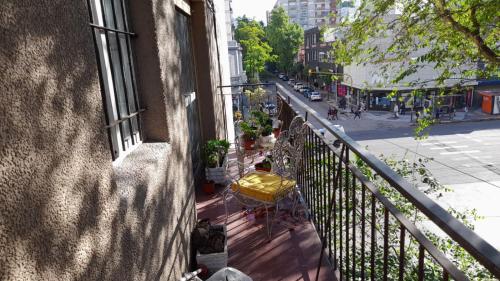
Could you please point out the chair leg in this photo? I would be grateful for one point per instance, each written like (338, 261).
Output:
(295, 202)
(224, 197)
(267, 222)
(270, 224)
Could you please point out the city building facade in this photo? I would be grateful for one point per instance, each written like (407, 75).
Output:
(319, 60)
(309, 13)
(105, 106)
(238, 74)
(371, 85)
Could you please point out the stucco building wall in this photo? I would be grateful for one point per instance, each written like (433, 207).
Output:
(67, 212)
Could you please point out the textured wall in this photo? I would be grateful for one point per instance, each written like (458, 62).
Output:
(208, 69)
(66, 211)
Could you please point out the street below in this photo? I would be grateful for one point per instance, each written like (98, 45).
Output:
(463, 156)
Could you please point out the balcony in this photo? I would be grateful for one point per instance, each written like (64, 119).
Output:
(291, 254)
(357, 218)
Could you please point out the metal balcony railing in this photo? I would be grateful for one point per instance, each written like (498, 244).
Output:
(364, 234)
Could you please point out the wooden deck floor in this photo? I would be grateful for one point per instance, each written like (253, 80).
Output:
(291, 254)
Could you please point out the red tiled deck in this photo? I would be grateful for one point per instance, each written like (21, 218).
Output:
(292, 253)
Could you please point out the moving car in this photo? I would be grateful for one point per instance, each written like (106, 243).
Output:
(281, 75)
(315, 96)
(291, 82)
(285, 78)
(297, 86)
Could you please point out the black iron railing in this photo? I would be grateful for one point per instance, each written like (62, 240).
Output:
(364, 234)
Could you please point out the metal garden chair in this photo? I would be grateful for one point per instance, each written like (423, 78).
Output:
(267, 189)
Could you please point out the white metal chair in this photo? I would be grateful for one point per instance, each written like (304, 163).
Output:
(267, 189)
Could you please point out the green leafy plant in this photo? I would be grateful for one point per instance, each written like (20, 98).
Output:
(266, 164)
(262, 118)
(214, 152)
(256, 50)
(267, 130)
(417, 173)
(285, 38)
(249, 131)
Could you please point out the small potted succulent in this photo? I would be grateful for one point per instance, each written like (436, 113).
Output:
(249, 135)
(215, 157)
(266, 134)
(264, 166)
(266, 126)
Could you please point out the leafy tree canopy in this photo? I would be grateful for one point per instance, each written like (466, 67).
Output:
(247, 29)
(284, 37)
(256, 52)
(459, 38)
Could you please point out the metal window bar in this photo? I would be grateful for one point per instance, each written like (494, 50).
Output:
(128, 110)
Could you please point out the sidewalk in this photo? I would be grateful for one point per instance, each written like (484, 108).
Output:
(409, 117)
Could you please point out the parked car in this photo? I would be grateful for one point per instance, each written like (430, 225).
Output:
(315, 96)
(304, 88)
(270, 108)
(297, 86)
(281, 75)
(291, 82)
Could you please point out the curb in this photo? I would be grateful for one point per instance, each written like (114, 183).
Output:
(470, 120)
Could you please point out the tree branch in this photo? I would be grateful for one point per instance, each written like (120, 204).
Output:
(474, 35)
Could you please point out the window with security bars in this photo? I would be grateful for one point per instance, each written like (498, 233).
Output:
(109, 21)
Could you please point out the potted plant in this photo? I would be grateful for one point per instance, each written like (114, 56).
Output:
(266, 134)
(209, 187)
(215, 157)
(249, 135)
(264, 166)
(276, 128)
(265, 124)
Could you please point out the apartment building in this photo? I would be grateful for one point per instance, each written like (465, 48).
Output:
(105, 105)
(238, 74)
(309, 13)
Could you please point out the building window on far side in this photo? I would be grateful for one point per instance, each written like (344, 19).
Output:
(111, 29)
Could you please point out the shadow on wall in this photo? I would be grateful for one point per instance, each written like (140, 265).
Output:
(64, 212)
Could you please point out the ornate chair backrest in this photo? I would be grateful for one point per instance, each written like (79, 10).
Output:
(240, 151)
(288, 149)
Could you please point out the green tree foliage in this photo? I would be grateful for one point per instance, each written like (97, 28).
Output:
(451, 35)
(284, 37)
(256, 52)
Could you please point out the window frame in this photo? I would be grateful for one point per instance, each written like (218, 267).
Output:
(109, 21)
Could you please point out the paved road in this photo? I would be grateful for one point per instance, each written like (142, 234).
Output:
(466, 157)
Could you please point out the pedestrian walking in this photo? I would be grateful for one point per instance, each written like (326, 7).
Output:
(330, 113)
(396, 110)
(417, 114)
(357, 114)
(335, 114)
(403, 108)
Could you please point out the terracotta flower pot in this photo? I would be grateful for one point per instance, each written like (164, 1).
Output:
(209, 187)
(276, 132)
(248, 144)
(262, 167)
